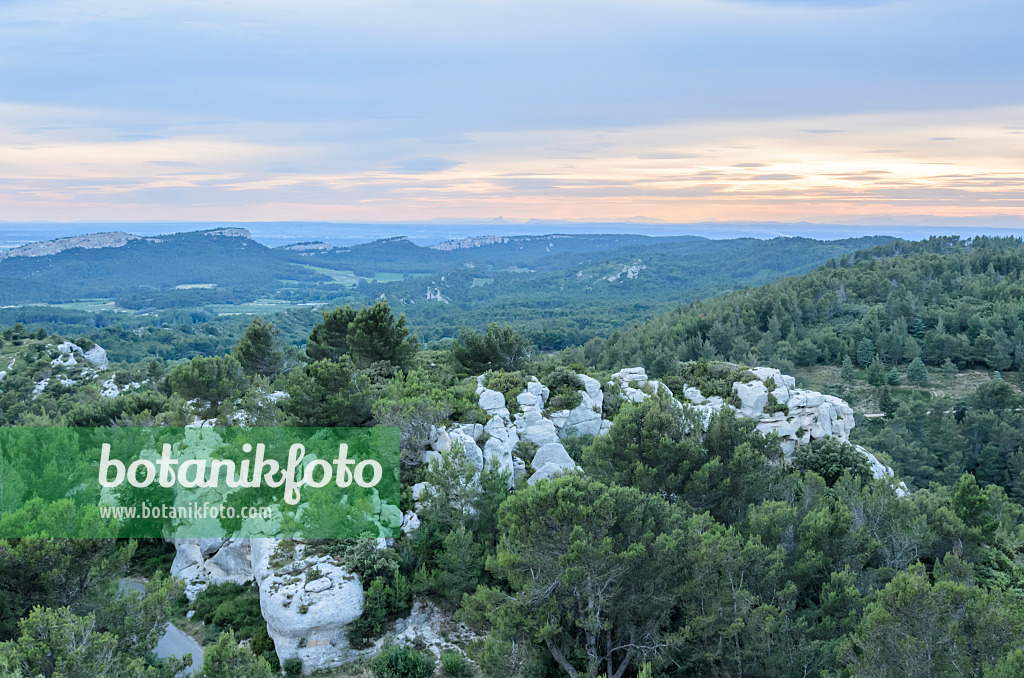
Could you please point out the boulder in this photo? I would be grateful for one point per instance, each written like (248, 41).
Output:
(97, 356)
(693, 394)
(538, 389)
(753, 398)
(471, 449)
(307, 612)
(552, 453)
(534, 428)
(546, 472)
(491, 401)
(232, 562)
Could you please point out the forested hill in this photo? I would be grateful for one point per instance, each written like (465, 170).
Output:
(940, 299)
(558, 290)
(569, 296)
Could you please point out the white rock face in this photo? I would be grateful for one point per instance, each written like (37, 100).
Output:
(546, 472)
(880, 471)
(307, 605)
(201, 562)
(97, 356)
(585, 418)
(491, 401)
(753, 398)
(553, 453)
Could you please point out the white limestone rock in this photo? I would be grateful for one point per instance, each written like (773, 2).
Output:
(546, 472)
(492, 401)
(470, 448)
(552, 453)
(97, 356)
(307, 615)
(753, 398)
(538, 389)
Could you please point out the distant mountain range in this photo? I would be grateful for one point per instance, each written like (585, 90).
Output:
(560, 288)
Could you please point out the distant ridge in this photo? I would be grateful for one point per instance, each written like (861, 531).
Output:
(96, 241)
(89, 242)
(467, 243)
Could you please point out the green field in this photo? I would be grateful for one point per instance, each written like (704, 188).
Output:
(350, 278)
(255, 307)
(480, 282)
(89, 305)
(344, 277)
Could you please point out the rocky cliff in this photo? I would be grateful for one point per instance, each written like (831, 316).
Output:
(88, 242)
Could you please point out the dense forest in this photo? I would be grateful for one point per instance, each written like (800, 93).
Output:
(678, 551)
(153, 297)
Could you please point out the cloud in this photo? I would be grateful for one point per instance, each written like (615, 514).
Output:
(424, 165)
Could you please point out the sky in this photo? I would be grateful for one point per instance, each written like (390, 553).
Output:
(390, 110)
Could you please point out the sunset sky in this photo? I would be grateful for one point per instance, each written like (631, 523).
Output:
(681, 110)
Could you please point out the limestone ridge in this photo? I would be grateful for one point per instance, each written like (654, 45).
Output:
(229, 232)
(88, 242)
(468, 243)
(800, 416)
(95, 241)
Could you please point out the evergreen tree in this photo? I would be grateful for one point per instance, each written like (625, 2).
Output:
(886, 403)
(375, 335)
(848, 370)
(225, 659)
(893, 378)
(876, 372)
(258, 351)
(589, 567)
(328, 340)
(498, 348)
(917, 373)
(865, 352)
(327, 393)
(948, 369)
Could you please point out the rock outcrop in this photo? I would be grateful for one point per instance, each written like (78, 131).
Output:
(87, 242)
(308, 600)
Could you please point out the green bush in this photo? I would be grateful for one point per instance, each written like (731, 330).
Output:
(396, 661)
(236, 607)
(455, 665)
(383, 602)
(565, 389)
(713, 379)
(509, 384)
(292, 667)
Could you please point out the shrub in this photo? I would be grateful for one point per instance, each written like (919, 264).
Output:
(565, 389)
(509, 384)
(292, 667)
(396, 661)
(455, 665)
(711, 378)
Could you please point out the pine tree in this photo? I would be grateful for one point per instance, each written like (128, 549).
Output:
(917, 373)
(876, 372)
(865, 352)
(329, 339)
(948, 369)
(375, 335)
(258, 352)
(886, 403)
(847, 372)
(893, 378)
